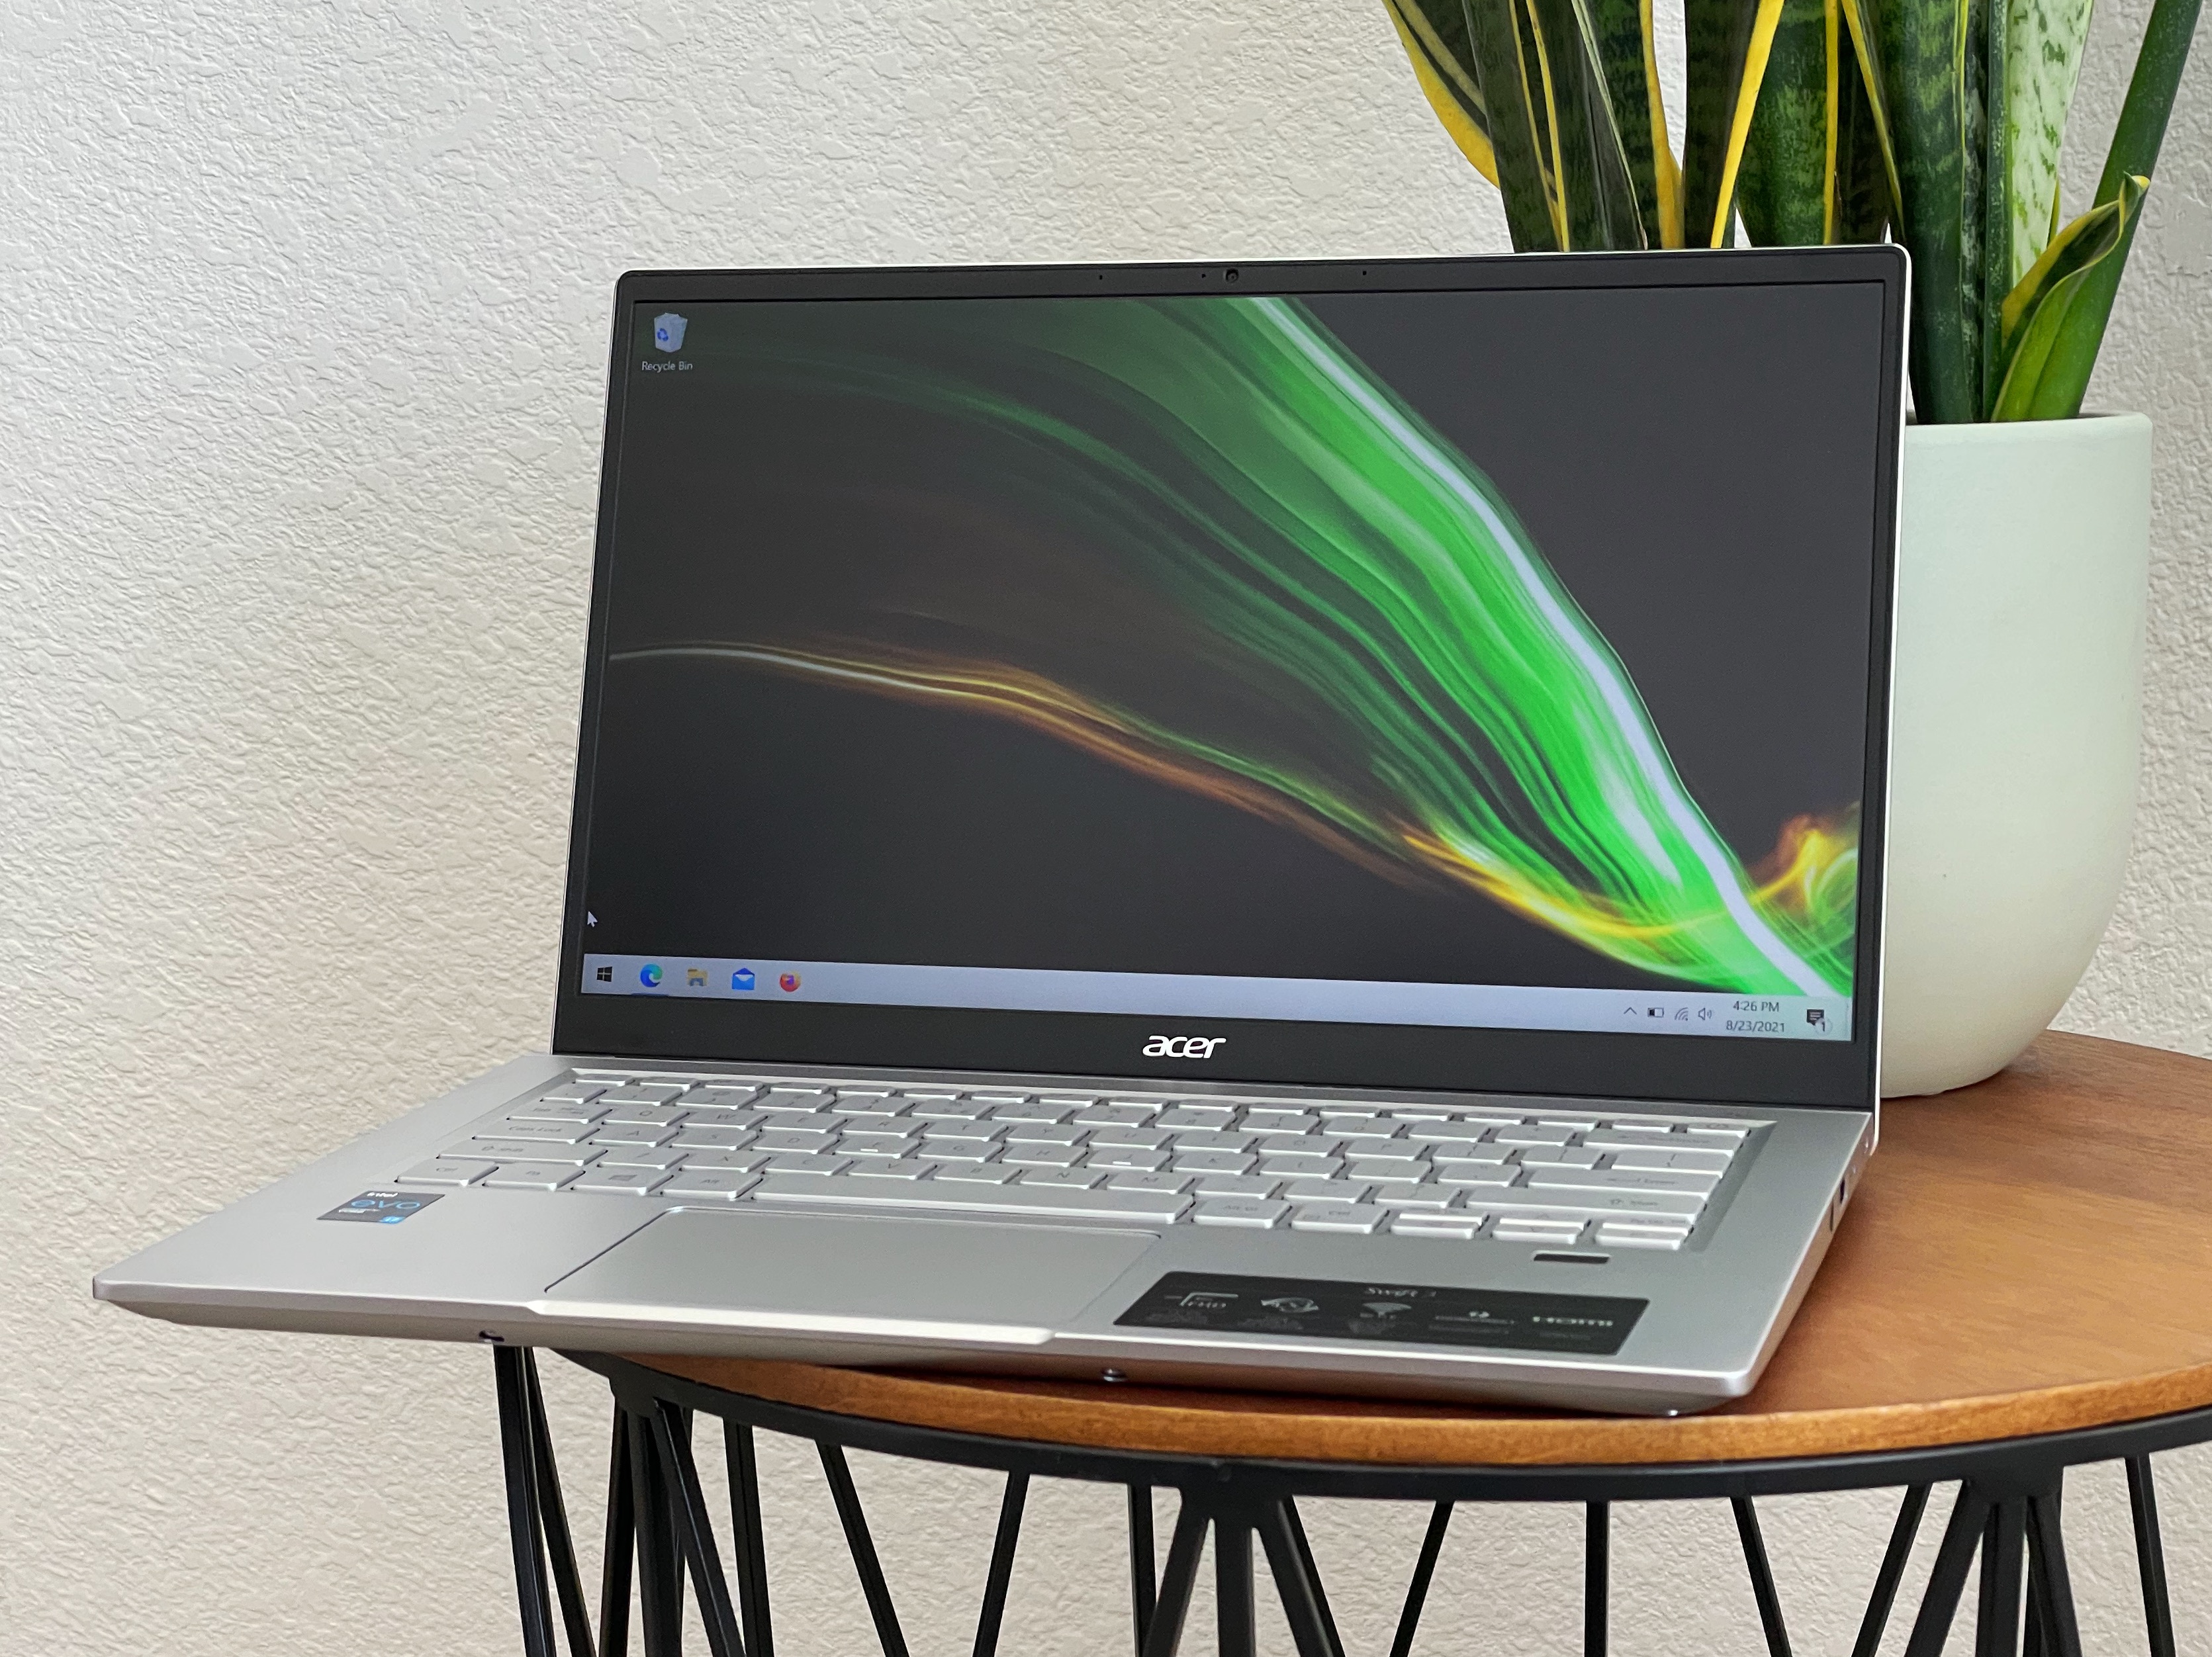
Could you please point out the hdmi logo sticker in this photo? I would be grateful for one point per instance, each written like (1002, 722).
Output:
(1182, 1046)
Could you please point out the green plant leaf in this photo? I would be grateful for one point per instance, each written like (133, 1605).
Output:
(1874, 82)
(1434, 35)
(2063, 381)
(2043, 60)
(2035, 316)
(1561, 166)
(1813, 163)
(1729, 42)
(1932, 62)
(1629, 53)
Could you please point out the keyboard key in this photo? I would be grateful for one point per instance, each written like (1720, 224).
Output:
(1577, 1124)
(948, 1110)
(529, 1176)
(903, 1168)
(1469, 1155)
(814, 1166)
(1710, 1161)
(1414, 1196)
(1595, 1204)
(1143, 1162)
(1147, 1181)
(629, 1133)
(794, 1099)
(689, 1137)
(1534, 1136)
(959, 1150)
(1212, 1162)
(1612, 1237)
(1249, 1213)
(641, 1093)
(641, 1116)
(733, 1162)
(1301, 1167)
(1641, 1131)
(1271, 1123)
(445, 1171)
(1022, 1155)
(1401, 1151)
(1233, 1185)
(1212, 1139)
(1130, 1138)
(1476, 1176)
(1715, 1134)
(1421, 1223)
(1622, 1179)
(572, 1093)
(872, 1107)
(717, 1185)
(1062, 1179)
(660, 1156)
(1387, 1173)
(622, 1181)
(1195, 1117)
(1556, 1156)
(1326, 1191)
(1055, 1202)
(995, 1099)
(1117, 1116)
(1352, 1218)
(1363, 1130)
(1305, 1144)
(1032, 1110)
(798, 1140)
(545, 1110)
(961, 1127)
(979, 1173)
(1447, 1133)
(523, 1150)
(707, 1097)
(1044, 1134)
(526, 1127)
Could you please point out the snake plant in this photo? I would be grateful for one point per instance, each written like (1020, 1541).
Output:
(1937, 123)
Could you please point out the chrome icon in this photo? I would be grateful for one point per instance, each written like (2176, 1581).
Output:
(649, 976)
(788, 983)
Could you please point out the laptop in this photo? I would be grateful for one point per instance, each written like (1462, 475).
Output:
(1301, 826)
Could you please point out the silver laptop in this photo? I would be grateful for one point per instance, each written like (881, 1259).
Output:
(1304, 826)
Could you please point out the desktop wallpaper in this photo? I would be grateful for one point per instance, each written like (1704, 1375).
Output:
(1390, 636)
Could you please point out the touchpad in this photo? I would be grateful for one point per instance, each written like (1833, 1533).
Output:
(788, 1269)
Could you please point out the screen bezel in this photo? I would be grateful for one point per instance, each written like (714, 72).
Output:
(1603, 1064)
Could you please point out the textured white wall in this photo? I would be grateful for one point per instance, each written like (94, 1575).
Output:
(302, 319)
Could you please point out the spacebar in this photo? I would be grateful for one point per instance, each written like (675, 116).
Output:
(927, 1196)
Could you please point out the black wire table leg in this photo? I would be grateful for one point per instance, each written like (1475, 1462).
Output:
(553, 1516)
(1940, 1604)
(1294, 1583)
(751, 1540)
(695, 1530)
(2061, 1633)
(1997, 1613)
(863, 1548)
(1144, 1583)
(1597, 1571)
(621, 1544)
(1313, 1576)
(659, 1572)
(1239, 1627)
(2150, 1558)
(1164, 1633)
(1894, 1557)
(993, 1613)
(518, 1449)
(1762, 1577)
(1417, 1590)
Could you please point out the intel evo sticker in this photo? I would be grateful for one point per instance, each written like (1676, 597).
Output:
(382, 1207)
(1423, 1314)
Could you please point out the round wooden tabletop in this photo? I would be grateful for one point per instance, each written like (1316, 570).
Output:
(2030, 1255)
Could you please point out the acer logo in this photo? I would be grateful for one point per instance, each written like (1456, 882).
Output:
(1182, 1046)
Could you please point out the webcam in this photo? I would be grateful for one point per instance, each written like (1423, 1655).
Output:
(1230, 275)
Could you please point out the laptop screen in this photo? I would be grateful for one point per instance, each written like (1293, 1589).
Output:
(1478, 660)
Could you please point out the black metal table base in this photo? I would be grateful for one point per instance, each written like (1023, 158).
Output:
(659, 1523)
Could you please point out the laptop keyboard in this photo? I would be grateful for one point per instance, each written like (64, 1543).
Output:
(1455, 1173)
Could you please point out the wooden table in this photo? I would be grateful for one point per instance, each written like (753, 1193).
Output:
(2024, 1283)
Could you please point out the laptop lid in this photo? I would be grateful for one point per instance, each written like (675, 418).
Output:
(1453, 674)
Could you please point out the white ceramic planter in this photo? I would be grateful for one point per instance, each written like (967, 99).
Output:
(2022, 570)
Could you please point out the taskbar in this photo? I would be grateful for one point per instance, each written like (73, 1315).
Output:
(1715, 1013)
